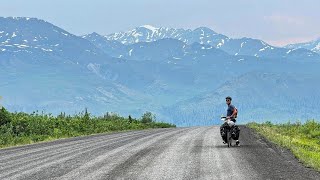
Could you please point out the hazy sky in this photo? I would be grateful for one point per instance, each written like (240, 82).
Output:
(277, 22)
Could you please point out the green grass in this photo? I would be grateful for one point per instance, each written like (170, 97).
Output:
(20, 128)
(303, 140)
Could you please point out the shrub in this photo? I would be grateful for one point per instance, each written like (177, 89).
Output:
(23, 128)
(147, 117)
(4, 116)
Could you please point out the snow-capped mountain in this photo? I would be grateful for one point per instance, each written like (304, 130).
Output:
(206, 36)
(312, 45)
(163, 70)
(149, 33)
(169, 50)
(111, 47)
(36, 37)
(45, 67)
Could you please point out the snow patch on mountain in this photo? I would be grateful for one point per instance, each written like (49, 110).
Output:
(153, 29)
(13, 34)
(130, 52)
(242, 44)
(317, 48)
(312, 45)
(220, 43)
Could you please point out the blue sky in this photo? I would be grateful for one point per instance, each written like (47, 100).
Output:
(277, 22)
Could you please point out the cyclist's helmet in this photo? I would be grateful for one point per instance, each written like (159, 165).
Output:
(228, 97)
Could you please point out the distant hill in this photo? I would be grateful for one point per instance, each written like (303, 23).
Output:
(206, 36)
(181, 75)
(312, 45)
(258, 96)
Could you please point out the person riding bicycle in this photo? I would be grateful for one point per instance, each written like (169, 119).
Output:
(231, 114)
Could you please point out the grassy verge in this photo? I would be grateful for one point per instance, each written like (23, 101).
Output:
(302, 139)
(22, 128)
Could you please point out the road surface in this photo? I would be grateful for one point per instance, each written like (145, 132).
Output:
(178, 153)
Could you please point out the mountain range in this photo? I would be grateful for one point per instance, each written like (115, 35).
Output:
(312, 45)
(180, 75)
(203, 35)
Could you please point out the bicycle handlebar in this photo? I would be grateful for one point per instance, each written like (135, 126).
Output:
(223, 118)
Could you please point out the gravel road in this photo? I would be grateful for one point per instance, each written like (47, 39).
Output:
(177, 153)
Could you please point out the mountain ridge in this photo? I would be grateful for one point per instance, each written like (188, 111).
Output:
(161, 76)
(203, 35)
(313, 45)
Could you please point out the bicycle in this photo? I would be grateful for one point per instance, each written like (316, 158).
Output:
(228, 124)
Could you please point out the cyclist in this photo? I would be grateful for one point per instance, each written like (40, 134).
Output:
(231, 114)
